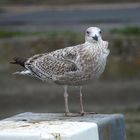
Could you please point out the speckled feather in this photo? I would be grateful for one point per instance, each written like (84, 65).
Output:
(74, 65)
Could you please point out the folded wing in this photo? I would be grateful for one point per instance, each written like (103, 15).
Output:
(52, 65)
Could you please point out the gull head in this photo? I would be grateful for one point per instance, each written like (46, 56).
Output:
(93, 35)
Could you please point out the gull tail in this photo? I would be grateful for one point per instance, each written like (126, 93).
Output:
(19, 61)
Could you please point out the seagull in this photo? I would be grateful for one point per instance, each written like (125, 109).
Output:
(71, 66)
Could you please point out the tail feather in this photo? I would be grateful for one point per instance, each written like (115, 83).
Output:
(19, 61)
(24, 72)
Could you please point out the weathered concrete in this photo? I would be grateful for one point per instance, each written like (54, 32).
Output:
(50, 126)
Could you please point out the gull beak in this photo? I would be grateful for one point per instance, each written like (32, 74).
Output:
(95, 38)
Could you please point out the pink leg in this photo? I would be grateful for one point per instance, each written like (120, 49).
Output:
(67, 112)
(81, 102)
(66, 100)
(81, 105)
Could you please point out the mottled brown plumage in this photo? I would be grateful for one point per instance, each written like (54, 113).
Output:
(75, 65)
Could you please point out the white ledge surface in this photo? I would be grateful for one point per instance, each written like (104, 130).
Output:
(48, 126)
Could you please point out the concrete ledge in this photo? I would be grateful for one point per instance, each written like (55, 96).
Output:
(50, 126)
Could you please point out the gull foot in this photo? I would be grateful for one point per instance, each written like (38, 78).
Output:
(69, 114)
(86, 113)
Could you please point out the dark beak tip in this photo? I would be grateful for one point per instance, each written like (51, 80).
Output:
(95, 37)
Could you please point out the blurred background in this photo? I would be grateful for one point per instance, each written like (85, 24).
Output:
(30, 26)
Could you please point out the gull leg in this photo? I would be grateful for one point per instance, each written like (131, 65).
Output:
(66, 100)
(81, 102)
(67, 112)
(81, 105)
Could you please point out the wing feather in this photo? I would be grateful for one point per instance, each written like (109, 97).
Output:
(54, 64)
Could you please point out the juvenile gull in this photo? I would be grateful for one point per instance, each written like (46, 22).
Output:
(71, 66)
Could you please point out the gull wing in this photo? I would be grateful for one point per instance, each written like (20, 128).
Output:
(52, 65)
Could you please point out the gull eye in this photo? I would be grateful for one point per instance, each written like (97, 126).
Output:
(100, 32)
(88, 32)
